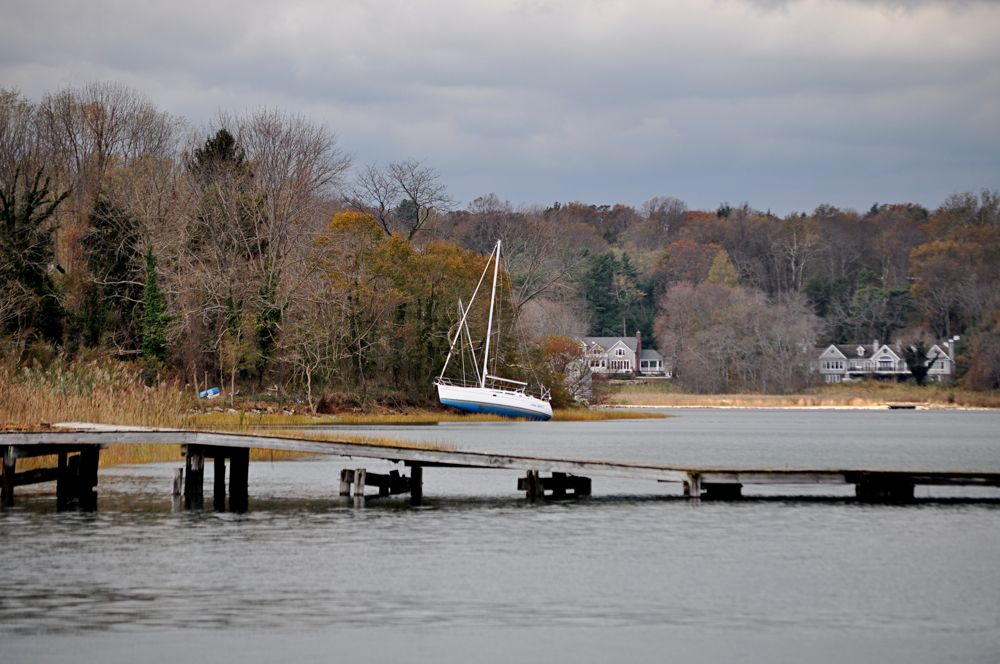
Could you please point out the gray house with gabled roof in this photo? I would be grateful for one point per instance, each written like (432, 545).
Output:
(840, 362)
(622, 355)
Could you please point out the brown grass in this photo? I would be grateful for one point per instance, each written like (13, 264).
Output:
(867, 394)
(111, 393)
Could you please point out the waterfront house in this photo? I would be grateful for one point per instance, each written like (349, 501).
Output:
(609, 356)
(840, 362)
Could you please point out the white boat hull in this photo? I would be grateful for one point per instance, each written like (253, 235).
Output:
(507, 403)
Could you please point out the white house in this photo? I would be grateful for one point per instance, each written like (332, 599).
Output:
(941, 365)
(839, 362)
(622, 355)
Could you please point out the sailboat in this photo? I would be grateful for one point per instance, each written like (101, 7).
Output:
(488, 393)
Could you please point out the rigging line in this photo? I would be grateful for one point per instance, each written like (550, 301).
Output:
(458, 332)
(472, 350)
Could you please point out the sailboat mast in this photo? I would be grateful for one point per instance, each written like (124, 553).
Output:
(461, 323)
(489, 322)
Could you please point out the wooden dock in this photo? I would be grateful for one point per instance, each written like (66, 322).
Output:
(77, 447)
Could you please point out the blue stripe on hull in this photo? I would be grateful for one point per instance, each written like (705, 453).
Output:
(476, 407)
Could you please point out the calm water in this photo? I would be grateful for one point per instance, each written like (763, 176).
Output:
(477, 574)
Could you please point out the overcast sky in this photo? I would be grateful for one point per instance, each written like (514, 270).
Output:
(784, 105)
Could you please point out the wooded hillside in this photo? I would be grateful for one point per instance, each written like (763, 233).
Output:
(256, 255)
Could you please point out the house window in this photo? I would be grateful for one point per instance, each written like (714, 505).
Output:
(620, 352)
(885, 364)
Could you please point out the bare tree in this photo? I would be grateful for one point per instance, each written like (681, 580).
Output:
(18, 137)
(796, 246)
(87, 130)
(721, 338)
(662, 219)
(403, 197)
(264, 182)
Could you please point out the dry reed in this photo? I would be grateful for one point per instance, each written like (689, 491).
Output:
(844, 395)
(111, 393)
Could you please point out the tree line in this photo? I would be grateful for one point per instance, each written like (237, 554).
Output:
(254, 253)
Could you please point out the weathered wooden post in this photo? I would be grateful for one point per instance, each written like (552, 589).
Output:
(533, 486)
(346, 477)
(558, 484)
(9, 470)
(219, 482)
(90, 461)
(178, 482)
(692, 487)
(359, 483)
(177, 492)
(194, 476)
(416, 484)
(64, 492)
(239, 479)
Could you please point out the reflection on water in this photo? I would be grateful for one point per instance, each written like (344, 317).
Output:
(479, 574)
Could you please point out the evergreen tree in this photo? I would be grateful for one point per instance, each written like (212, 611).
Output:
(723, 271)
(27, 257)
(617, 299)
(267, 321)
(155, 318)
(113, 305)
(220, 151)
(916, 360)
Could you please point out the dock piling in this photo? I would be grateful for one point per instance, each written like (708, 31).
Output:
(9, 472)
(692, 486)
(346, 478)
(178, 482)
(416, 484)
(219, 483)
(90, 461)
(359, 483)
(559, 486)
(239, 479)
(194, 477)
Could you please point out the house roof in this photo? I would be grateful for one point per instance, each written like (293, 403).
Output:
(608, 342)
(885, 350)
(851, 351)
(936, 351)
(650, 354)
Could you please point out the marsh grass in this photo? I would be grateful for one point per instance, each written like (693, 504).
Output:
(865, 394)
(105, 392)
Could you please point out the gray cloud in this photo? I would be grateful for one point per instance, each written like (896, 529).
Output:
(782, 104)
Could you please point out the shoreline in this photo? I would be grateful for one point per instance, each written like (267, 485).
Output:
(922, 406)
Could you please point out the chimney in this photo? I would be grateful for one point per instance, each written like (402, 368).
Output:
(875, 346)
(638, 350)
